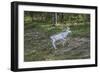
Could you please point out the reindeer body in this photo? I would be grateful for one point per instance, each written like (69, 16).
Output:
(61, 36)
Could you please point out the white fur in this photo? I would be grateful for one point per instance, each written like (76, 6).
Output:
(61, 36)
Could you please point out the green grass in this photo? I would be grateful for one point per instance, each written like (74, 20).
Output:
(77, 30)
(38, 47)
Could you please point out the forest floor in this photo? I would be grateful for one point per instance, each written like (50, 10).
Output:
(38, 46)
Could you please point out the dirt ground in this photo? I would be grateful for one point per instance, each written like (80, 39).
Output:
(38, 47)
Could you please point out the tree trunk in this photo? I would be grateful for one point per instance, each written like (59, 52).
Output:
(62, 18)
(54, 19)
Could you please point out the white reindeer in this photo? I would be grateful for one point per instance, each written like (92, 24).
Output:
(61, 36)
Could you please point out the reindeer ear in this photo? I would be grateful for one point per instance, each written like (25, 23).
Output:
(68, 28)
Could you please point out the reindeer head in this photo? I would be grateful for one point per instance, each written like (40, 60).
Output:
(68, 30)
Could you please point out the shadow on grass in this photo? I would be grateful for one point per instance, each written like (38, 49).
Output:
(38, 47)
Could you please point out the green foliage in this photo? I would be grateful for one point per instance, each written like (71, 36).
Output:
(37, 31)
(64, 18)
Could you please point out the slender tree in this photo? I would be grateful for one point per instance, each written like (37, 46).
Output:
(54, 19)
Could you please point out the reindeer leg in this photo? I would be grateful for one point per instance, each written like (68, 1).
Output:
(54, 45)
(64, 42)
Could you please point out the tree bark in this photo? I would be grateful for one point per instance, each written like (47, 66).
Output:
(54, 19)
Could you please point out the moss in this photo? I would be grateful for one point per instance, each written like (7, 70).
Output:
(37, 39)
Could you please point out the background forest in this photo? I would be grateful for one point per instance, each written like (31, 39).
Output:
(39, 26)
